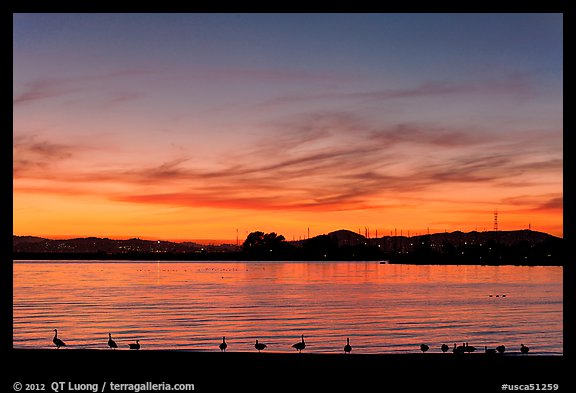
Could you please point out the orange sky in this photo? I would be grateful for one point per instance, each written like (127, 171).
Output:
(154, 133)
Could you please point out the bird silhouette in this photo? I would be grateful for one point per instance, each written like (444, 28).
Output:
(458, 349)
(259, 346)
(444, 348)
(524, 349)
(469, 348)
(489, 351)
(300, 345)
(424, 347)
(135, 346)
(347, 347)
(111, 343)
(501, 348)
(59, 343)
(223, 344)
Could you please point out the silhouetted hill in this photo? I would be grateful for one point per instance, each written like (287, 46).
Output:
(491, 247)
(32, 244)
(524, 247)
(346, 237)
(17, 240)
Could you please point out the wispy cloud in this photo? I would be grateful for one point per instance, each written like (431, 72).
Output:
(516, 85)
(33, 154)
(323, 161)
(48, 87)
(246, 74)
(122, 97)
(542, 202)
(43, 89)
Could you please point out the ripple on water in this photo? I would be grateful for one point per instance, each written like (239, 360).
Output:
(383, 308)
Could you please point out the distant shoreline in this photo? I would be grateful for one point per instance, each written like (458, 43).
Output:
(524, 247)
(239, 257)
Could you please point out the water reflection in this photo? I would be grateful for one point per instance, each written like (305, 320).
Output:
(382, 308)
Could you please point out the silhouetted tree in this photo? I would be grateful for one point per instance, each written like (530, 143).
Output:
(265, 244)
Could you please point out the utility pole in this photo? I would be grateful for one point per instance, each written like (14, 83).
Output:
(495, 220)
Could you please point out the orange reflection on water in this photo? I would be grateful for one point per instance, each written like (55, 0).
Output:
(382, 308)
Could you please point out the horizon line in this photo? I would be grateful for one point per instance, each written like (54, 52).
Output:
(207, 241)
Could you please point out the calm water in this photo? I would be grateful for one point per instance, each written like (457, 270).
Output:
(382, 308)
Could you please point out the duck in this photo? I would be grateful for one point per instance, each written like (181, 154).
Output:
(424, 348)
(501, 348)
(444, 348)
(524, 349)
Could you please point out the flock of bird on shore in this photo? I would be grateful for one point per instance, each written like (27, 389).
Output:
(299, 346)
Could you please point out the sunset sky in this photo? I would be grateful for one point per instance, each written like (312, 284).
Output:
(191, 126)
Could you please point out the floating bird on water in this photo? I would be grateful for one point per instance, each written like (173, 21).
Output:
(501, 348)
(489, 351)
(223, 344)
(59, 343)
(259, 346)
(424, 348)
(135, 346)
(347, 347)
(300, 345)
(111, 343)
(524, 349)
(444, 348)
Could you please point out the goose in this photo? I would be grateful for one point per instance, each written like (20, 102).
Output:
(524, 349)
(300, 345)
(135, 346)
(111, 343)
(501, 348)
(59, 343)
(223, 344)
(259, 346)
(490, 351)
(424, 348)
(469, 348)
(444, 348)
(347, 347)
(458, 349)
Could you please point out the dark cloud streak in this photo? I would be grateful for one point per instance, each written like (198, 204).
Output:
(344, 164)
(510, 85)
